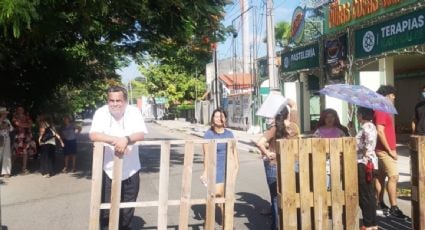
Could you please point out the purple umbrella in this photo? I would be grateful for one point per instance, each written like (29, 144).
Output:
(361, 96)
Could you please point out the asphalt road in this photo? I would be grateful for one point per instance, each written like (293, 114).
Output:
(62, 201)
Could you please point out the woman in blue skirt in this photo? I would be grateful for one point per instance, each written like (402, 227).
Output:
(218, 131)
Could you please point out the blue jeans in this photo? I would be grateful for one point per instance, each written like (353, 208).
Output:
(271, 171)
(274, 206)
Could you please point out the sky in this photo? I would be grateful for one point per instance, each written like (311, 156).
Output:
(129, 73)
(282, 12)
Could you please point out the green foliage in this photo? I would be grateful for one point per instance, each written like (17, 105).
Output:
(282, 33)
(172, 82)
(139, 89)
(185, 107)
(51, 45)
(17, 14)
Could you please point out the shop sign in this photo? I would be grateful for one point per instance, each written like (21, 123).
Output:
(336, 55)
(161, 100)
(301, 58)
(343, 13)
(297, 25)
(400, 32)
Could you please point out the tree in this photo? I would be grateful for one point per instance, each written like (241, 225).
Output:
(139, 88)
(282, 33)
(47, 45)
(164, 80)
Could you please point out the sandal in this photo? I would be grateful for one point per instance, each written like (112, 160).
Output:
(25, 171)
(64, 170)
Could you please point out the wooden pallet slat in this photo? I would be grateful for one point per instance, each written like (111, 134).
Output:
(336, 148)
(186, 186)
(211, 157)
(288, 197)
(163, 185)
(350, 182)
(114, 213)
(96, 186)
(421, 183)
(319, 147)
(231, 172)
(417, 163)
(304, 175)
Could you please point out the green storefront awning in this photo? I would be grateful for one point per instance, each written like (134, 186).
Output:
(397, 33)
(305, 57)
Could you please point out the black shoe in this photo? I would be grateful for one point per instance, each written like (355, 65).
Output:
(382, 209)
(383, 206)
(397, 213)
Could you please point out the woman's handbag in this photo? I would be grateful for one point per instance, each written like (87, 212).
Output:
(47, 135)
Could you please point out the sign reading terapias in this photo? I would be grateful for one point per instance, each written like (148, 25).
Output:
(301, 58)
(343, 13)
(397, 33)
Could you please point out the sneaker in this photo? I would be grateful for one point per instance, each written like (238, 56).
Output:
(382, 209)
(397, 213)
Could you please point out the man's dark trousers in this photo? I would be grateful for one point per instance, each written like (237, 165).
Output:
(129, 191)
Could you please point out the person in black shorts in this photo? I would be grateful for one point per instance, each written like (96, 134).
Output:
(69, 133)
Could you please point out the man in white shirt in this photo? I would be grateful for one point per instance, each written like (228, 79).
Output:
(119, 126)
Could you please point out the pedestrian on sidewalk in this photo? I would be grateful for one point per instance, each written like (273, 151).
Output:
(329, 125)
(69, 132)
(23, 143)
(367, 165)
(218, 131)
(5, 150)
(47, 142)
(281, 128)
(387, 157)
(119, 125)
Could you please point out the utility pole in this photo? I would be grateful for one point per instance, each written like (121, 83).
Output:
(274, 81)
(130, 89)
(217, 98)
(245, 36)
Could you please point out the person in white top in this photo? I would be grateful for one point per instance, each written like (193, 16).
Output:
(119, 126)
(5, 151)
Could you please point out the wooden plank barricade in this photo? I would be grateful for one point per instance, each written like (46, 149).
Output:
(304, 200)
(162, 203)
(417, 164)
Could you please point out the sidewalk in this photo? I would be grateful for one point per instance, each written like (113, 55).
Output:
(245, 143)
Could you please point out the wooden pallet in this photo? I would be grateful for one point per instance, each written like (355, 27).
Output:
(163, 202)
(303, 198)
(417, 164)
